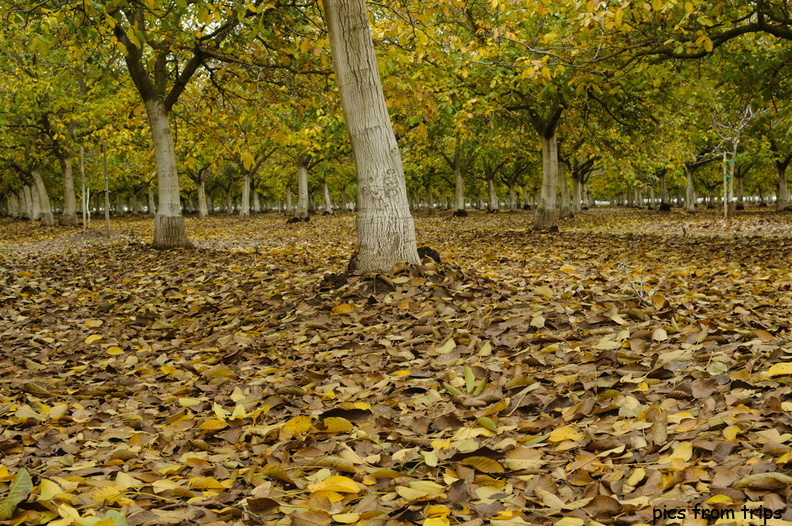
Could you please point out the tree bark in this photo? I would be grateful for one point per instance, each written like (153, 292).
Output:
(328, 204)
(386, 233)
(545, 216)
(782, 199)
(32, 211)
(690, 191)
(244, 210)
(494, 203)
(69, 215)
(661, 177)
(152, 206)
(47, 217)
(302, 188)
(256, 201)
(200, 189)
(459, 188)
(565, 209)
(169, 228)
(577, 200)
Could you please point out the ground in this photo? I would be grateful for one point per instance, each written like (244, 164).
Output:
(632, 368)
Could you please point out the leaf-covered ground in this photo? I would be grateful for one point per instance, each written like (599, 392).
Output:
(630, 369)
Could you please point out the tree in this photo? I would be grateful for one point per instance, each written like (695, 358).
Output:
(386, 233)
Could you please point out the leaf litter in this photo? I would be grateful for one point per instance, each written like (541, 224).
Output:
(590, 375)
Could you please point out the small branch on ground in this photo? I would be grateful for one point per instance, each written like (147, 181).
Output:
(640, 294)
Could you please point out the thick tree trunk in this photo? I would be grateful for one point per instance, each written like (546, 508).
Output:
(203, 208)
(740, 193)
(328, 204)
(256, 201)
(302, 189)
(386, 233)
(152, 206)
(545, 216)
(31, 208)
(577, 199)
(782, 199)
(563, 187)
(651, 197)
(47, 217)
(494, 203)
(35, 202)
(169, 228)
(663, 191)
(512, 198)
(244, 210)
(289, 204)
(69, 215)
(459, 188)
(690, 191)
(429, 199)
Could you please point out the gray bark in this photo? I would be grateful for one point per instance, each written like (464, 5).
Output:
(386, 233)
(69, 215)
(545, 216)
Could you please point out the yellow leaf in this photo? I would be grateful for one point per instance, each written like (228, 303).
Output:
(657, 5)
(48, 489)
(483, 464)
(561, 434)
(337, 484)
(187, 401)
(344, 308)
(93, 324)
(437, 511)
(93, 338)
(719, 499)
(346, 518)
(298, 425)
(731, 432)
(779, 369)
(337, 424)
(544, 290)
(213, 425)
(568, 268)
(437, 521)
(205, 483)
(114, 351)
(683, 451)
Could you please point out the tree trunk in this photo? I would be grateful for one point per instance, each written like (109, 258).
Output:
(545, 216)
(577, 199)
(328, 203)
(169, 228)
(256, 201)
(652, 197)
(244, 210)
(494, 203)
(302, 189)
(512, 198)
(69, 215)
(47, 217)
(429, 199)
(386, 233)
(289, 204)
(459, 188)
(690, 191)
(740, 192)
(203, 207)
(152, 206)
(663, 192)
(32, 211)
(35, 202)
(782, 199)
(566, 210)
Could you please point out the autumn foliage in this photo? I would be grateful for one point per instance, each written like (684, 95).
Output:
(633, 362)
